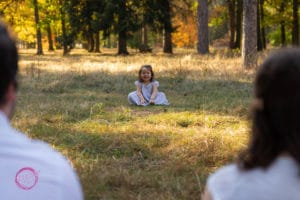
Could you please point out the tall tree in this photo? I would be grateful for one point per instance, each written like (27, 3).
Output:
(49, 35)
(144, 26)
(249, 49)
(202, 19)
(92, 15)
(158, 16)
(232, 22)
(63, 26)
(239, 17)
(167, 28)
(262, 23)
(50, 10)
(145, 36)
(295, 27)
(122, 17)
(259, 34)
(97, 42)
(38, 28)
(282, 24)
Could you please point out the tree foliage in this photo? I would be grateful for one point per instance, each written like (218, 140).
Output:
(145, 23)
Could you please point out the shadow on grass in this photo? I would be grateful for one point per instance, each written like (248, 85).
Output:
(135, 165)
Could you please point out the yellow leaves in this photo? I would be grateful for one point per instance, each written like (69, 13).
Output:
(186, 33)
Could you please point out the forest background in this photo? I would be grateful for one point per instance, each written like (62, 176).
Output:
(79, 60)
(144, 24)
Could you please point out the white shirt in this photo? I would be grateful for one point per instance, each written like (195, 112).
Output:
(278, 182)
(32, 170)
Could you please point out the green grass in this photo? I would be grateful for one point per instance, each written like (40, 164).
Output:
(78, 104)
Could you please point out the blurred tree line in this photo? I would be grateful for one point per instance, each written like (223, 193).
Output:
(144, 24)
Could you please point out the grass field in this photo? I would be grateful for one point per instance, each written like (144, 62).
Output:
(78, 104)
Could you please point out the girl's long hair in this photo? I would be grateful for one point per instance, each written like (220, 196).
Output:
(275, 111)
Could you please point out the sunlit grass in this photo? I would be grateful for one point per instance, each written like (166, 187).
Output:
(78, 104)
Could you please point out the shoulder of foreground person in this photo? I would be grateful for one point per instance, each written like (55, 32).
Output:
(222, 180)
(35, 167)
(230, 182)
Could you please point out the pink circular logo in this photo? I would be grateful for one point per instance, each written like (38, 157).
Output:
(26, 178)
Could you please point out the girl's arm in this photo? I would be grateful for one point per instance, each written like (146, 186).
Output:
(154, 93)
(140, 94)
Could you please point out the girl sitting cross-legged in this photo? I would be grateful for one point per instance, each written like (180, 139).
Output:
(147, 92)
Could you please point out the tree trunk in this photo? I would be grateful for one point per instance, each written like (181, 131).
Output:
(282, 34)
(259, 36)
(91, 41)
(143, 47)
(168, 42)
(122, 40)
(108, 41)
(239, 17)
(97, 42)
(202, 19)
(64, 36)
(282, 25)
(295, 27)
(249, 49)
(49, 35)
(122, 46)
(168, 29)
(38, 28)
(145, 35)
(262, 24)
(232, 27)
(63, 28)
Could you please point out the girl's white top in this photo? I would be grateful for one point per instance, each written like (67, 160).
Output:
(281, 181)
(32, 170)
(147, 89)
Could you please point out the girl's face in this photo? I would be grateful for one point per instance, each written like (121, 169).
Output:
(145, 75)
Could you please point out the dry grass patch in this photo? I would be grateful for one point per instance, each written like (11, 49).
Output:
(78, 104)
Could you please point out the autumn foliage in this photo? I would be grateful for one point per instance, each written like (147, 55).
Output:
(186, 32)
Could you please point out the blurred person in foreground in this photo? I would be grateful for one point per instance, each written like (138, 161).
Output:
(29, 169)
(270, 166)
